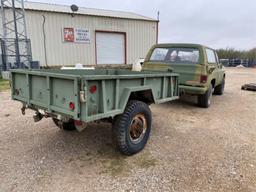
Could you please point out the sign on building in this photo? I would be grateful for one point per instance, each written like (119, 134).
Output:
(76, 35)
(68, 34)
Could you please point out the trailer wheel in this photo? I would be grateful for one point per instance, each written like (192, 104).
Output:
(69, 126)
(205, 99)
(131, 129)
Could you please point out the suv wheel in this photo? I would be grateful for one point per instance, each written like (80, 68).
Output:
(219, 90)
(205, 99)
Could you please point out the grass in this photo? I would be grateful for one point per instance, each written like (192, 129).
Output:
(4, 84)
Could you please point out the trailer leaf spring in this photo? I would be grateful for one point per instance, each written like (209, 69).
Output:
(23, 109)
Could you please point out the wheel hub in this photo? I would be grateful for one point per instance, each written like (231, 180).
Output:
(137, 128)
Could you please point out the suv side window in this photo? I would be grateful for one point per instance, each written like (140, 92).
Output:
(211, 56)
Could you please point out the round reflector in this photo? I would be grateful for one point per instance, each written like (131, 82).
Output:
(71, 105)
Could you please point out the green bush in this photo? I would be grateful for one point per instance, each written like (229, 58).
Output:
(231, 53)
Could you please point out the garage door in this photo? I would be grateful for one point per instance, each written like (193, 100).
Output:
(110, 48)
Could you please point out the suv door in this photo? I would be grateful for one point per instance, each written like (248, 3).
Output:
(220, 70)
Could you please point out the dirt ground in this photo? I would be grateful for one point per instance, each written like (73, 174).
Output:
(190, 148)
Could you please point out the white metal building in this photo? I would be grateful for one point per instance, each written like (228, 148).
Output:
(90, 36)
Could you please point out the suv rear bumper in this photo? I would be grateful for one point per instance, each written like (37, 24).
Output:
(192, 89)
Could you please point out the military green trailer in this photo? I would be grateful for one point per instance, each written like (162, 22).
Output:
(72, 98)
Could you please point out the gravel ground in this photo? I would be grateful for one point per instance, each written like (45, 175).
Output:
(190, 149)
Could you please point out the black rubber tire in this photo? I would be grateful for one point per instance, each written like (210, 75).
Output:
(120, 128)
(69, 126)
(204, 100)
(219, 90)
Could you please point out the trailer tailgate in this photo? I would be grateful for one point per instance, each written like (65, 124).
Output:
(55, 93)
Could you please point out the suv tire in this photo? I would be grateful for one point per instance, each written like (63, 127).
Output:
(219, 90)
(204, 100)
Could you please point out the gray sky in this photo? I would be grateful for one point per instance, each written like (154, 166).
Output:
(216, 23)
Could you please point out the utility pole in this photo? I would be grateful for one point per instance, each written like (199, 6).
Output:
(158, 15)
(157, 27)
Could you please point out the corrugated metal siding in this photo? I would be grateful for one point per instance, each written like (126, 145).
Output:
(141, 35)
(84, 11)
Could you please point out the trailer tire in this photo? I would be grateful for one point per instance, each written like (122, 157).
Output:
(204, 100)
(131, 129)
(66, 126)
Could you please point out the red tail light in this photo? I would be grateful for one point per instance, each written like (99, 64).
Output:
(203, 78)
(71, 106)
(93, 88)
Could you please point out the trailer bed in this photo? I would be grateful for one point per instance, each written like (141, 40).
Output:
(93, 94)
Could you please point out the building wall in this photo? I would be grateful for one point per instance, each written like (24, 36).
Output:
(140, 36)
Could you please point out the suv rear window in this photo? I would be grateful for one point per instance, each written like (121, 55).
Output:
(175, 55)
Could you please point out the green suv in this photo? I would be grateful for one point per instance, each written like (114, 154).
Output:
(200, 72)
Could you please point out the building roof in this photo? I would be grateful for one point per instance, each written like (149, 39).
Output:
(84, 11)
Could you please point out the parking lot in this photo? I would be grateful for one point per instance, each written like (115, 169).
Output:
(190, 148)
